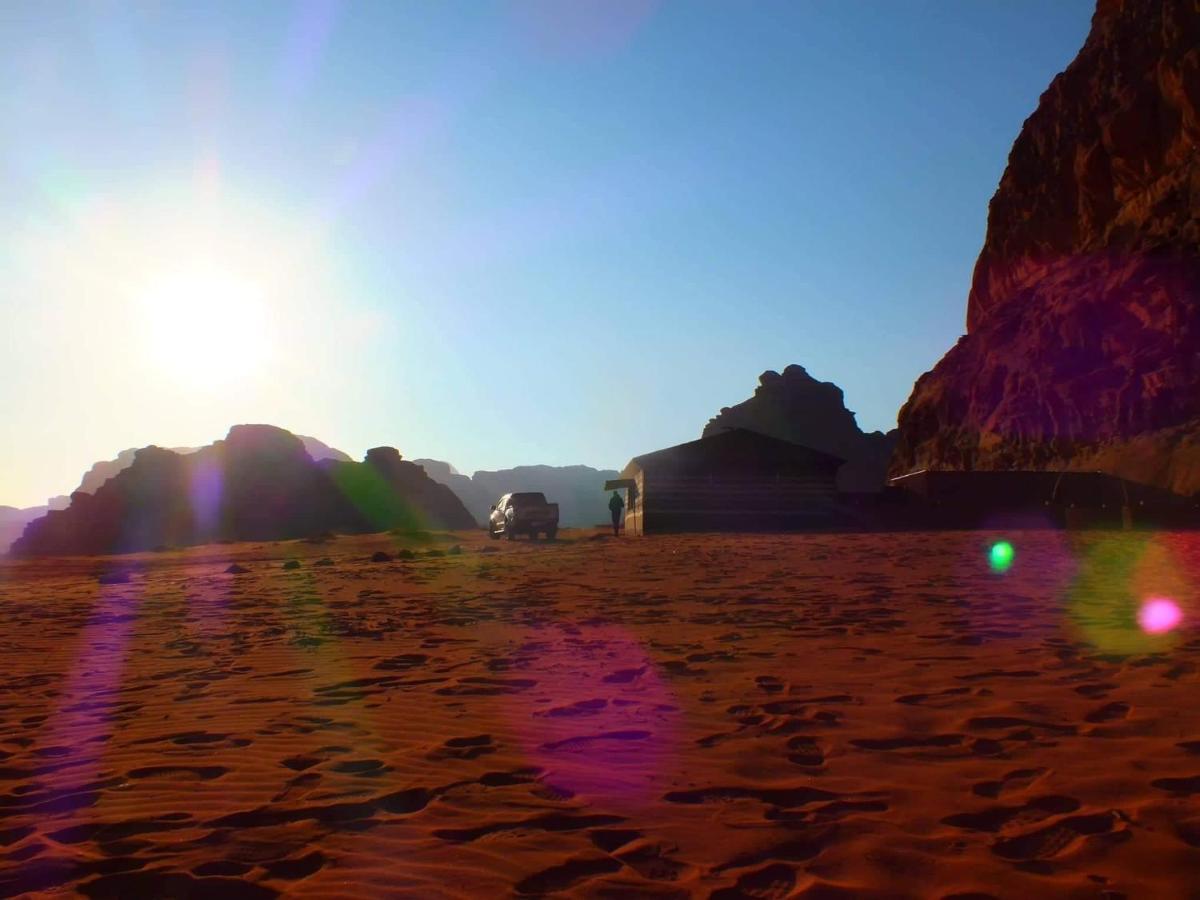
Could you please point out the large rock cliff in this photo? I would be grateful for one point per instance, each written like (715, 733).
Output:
(794, 406)
(103, 470)
(1083, 322)
(259, 483)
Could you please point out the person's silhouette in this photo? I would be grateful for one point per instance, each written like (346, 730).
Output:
(616, 506)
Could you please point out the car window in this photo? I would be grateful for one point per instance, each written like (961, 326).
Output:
(530, 498)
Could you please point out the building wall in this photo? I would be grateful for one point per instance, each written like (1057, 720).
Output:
(715, 503)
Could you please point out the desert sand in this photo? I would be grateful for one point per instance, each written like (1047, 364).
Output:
(769, 716)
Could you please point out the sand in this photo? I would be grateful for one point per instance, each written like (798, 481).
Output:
(770, 716)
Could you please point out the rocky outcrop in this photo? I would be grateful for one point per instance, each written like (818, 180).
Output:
(393, 493)
(578, 490)
(259, 483)
(105, 469)
(794, 406)
(1083, 322)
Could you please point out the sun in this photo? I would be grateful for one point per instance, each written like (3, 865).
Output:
(206, 325)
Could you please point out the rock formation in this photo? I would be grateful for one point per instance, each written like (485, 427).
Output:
(393, 493)
(1083, 322)
(259, 483)
(578, 490)
(794, 406)
(13, 521)
(105, 469)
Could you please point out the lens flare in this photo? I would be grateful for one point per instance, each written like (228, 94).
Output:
(1159, 615)
(1000, 557)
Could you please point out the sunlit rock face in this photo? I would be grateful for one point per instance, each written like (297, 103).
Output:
(259, 483)
(1083, 322)
(794, 406)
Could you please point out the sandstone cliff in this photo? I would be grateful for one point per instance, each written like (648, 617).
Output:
(1083, 322)
(259, 483)
(105, 469)
(794, 406)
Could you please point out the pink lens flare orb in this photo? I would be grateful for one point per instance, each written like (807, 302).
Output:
(1159, 615)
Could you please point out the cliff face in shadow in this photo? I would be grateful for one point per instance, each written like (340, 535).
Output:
(259, 483)
(105, 469)
(578, 490)
(794, 406)
(1083, 322)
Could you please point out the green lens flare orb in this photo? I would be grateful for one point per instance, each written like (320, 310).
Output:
(1001, 556)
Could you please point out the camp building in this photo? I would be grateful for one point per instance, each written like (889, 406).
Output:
(735, 480)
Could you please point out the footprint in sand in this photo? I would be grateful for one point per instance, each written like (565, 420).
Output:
(579, 708)
(299, 763)
(996, 818)
(1095, 689)
(552, 822)
(1016, 780)
(563, 876)
(910, 742)
(365, 768)
(1109, 712)
(402, 663)
(470, 747)
(1184, 787)
(769, 683)
(204, 773)
(486, 687)
(652, 860)
(583, 741)
(803, 750)
(773, 880)
(1061, 836)
(625, 676)
(294, 869)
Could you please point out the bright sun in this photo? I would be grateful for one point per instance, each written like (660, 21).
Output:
(206, 325)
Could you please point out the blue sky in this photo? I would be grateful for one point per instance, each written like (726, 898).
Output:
(491, 233)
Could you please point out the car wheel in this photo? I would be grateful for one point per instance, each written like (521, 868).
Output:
(493, 533)
(551, 534)
(509, 534)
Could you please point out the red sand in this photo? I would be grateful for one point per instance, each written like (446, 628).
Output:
(814, 716)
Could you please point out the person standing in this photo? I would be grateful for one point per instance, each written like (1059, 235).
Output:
(617, 507)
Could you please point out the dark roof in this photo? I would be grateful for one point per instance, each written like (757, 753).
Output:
(735, 448)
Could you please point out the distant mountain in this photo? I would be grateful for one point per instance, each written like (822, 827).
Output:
(14, 520)
(578, 490)
(259, 483)
(794, 406)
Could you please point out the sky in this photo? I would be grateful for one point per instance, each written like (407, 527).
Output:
(545, 231)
